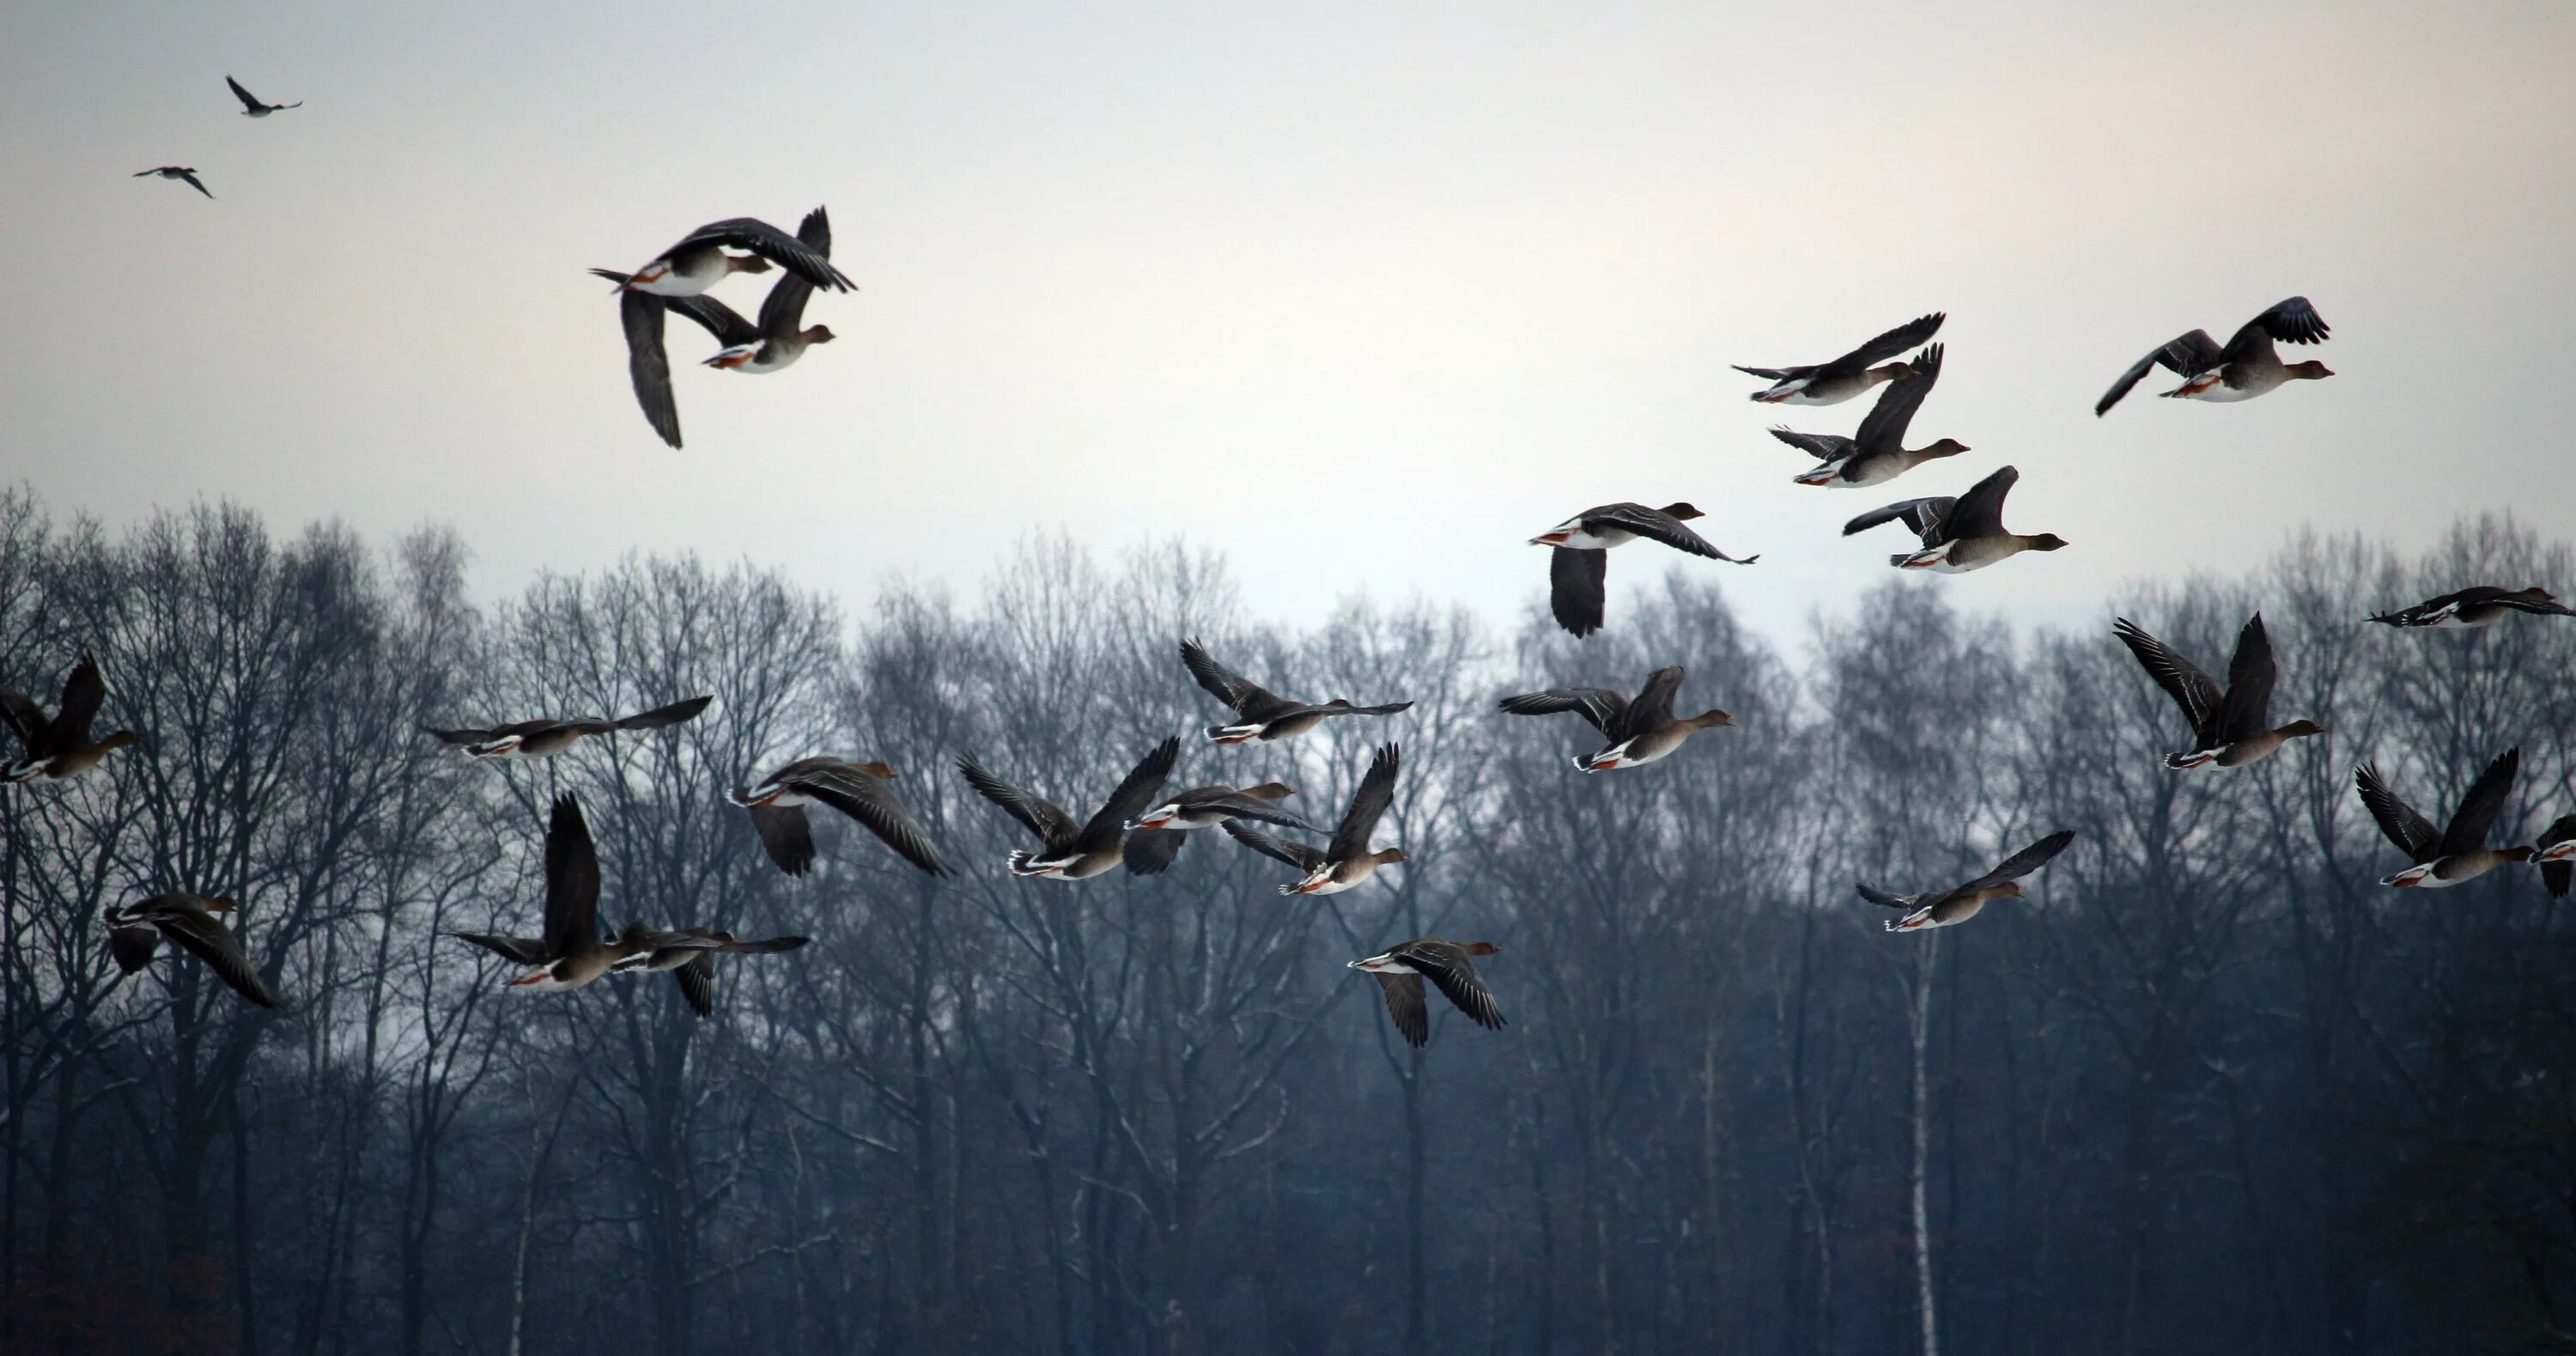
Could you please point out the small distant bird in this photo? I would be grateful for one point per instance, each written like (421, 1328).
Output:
(1961, 903)
(60, 749)
(1847, 376)
(1962, 534)
(571, 954)
(546, 737)
(1075, 851)
(135, 932)
(777, 804)
(1579, 566)
(1400, 969)
(251, 106)
(1266, 714)
(699, 261)
(778, 340)
(2249, 366)
(2231, 728)
(1877, 453)
(2556, 853)
(688, 956)
(2457, 853)
(1157, 836)
(1347, 861)
(1639, 732)
(183, 173)
(2478, 606)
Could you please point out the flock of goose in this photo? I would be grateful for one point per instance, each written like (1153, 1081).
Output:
(1140, 828)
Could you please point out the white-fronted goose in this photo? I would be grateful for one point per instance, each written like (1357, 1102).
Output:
(699, 261)
(252, 107)
(59, 749)
(1961, 903)
(1639, 732)
(2476, 606)
(1877, 453)
(1578, 567)
(1400, 969)
(778, 340)
(777, 804)
(135, 933)
(182, 173)
(2232, 728)
(1155, 837)
(689, 954)
(1347, 861)
(1962, 534)
(1265, 714)
(2457, 853)
(1075, 851)
(571, 953)
(1847, 376)
(2249, 366)
(2555, 850)
(548, 736)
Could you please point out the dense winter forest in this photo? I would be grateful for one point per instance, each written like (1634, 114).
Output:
(2210, 1088)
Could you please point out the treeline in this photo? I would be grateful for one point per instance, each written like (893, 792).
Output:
(2210, 1088)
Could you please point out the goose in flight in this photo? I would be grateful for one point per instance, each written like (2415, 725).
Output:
(1960, 903)
(252, 107)
(1639, 731)
(58, 748)
(1876, 453)
(183, 173)
(1265, 715)
(688, 956)
(2458, 851)
(1069, 850)
(2479, 605)
(1347, 861)
(1578, 566)
(549, 735)
(1847, 376)
(135, 932)
(2248, 367)
(1156, 837)
(1400, 969)
(778, 340)
(2230, 728)
(777, 804)
(1962, 534)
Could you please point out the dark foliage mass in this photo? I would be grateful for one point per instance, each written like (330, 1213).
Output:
(2209, 1088)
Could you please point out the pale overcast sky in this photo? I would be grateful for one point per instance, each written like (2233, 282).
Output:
(1365, 294)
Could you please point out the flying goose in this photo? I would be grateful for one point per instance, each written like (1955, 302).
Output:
(2249, 366)
(252, 107)
(699, 261)
(1847, 376)
(1265, 714)
(182, 173)
(60, 749)
(1961, 903)
(1347, 861)
(548, 736)
(1639, 732)
(571, 953)
(2480, 605)
(1400, 969)
(1579, 564)
(688, 954)
(1075, 851)
(777, 804)
(2457, 853)
(1157, 836)
(778, 340)
(1962, 534)
(2230, 729)
(1877, 452)
(135, 933)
